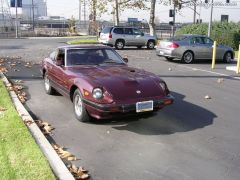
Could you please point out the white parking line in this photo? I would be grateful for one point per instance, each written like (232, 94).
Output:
(203, 70)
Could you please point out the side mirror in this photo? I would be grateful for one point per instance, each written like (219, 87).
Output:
(142, 34)
(59, 62)
(125, 60)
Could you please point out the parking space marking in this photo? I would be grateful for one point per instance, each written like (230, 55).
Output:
(203, 70)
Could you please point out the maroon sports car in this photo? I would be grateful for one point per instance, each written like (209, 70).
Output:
(100, 84)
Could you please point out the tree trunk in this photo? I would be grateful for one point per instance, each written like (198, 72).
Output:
(152, 17)
(116, 13)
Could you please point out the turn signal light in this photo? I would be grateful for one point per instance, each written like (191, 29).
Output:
(85, 93)
(167, 102)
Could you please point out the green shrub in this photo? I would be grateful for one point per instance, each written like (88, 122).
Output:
(223, 33)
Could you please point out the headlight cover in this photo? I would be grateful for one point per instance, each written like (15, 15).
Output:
(97, 93)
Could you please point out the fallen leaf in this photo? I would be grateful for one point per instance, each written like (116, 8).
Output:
(2, 109)
(28, 122)
(78, 173)
(3, 69)
(220, 80)
(207, 97)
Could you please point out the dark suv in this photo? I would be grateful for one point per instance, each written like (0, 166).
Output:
(126, 36)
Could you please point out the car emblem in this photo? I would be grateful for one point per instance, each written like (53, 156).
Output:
(138, 92)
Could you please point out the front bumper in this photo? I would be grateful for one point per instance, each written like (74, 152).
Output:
(106, 111)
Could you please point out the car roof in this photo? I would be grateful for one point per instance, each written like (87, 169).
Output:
(193, 35)
(84, 47)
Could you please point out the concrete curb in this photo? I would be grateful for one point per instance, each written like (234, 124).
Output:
(57, 165)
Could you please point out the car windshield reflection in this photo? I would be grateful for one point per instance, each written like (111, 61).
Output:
(92, 57)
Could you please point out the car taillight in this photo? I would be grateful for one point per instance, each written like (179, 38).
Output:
(173, 45)
(110, 36)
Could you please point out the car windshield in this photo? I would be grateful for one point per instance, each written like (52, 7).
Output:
(92, 57)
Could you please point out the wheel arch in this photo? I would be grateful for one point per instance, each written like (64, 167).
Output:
(228, 51)
(72, 90)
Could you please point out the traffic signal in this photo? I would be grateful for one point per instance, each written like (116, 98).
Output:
(171, 23)
(171, 13)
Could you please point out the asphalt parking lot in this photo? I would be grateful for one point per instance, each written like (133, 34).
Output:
(195, 138)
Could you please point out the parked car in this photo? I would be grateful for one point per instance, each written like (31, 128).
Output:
(189, 48)
(100, 84)
(126, 36)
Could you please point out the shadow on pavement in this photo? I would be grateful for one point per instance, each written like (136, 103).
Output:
(182, 116)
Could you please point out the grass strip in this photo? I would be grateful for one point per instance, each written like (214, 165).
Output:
(20, 156)
(83, 40)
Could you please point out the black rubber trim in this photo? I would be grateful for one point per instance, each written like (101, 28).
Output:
(125, 107)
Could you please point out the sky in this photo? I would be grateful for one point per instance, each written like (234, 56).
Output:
(70, 8)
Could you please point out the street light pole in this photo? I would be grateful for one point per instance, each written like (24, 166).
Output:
(16, 19)
(210, 21)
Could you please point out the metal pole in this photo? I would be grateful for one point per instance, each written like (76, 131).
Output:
(194, 12)
(80, 10)
(210, 22)
(214, 54)
(238, 61)
(33, 16)
(174, 10)
(16, 19)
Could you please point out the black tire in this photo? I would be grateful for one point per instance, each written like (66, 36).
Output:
(139, 47)
(79, 108)
(227, 58)
(188, 57)
(47, 85)
(169, 58)
(150, 44)
(119, 44)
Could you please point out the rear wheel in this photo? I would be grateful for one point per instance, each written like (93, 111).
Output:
(119, 44)
(47, 86)
(227, 57)
(150, 44)
(79, 108)
(188, 57)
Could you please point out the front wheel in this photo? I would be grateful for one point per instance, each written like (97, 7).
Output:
(47, 86)
(79, 108)
(188, 57)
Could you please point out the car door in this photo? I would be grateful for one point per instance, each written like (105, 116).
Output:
(197, 46)
(207, 47)
(59, 72)
(128, 36)
(50, 67)
(138, 37)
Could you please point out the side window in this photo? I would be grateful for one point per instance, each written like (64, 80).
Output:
(207, 40)
(196, 40)
(128, 31)
(53, 55)
(136, 32)
(118, 30)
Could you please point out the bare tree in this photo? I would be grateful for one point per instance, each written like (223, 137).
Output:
(152, 17)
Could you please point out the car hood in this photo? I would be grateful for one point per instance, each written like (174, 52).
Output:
(122, 82)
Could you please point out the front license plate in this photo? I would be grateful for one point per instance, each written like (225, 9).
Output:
(144, 106)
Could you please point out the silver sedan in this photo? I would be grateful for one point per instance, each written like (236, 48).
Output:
(188, 48)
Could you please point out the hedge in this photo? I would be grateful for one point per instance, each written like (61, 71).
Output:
(224, 33)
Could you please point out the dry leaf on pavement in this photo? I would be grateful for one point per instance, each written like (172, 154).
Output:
(78, 172)
(207, 97)
(45, 127)
(63, 153)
